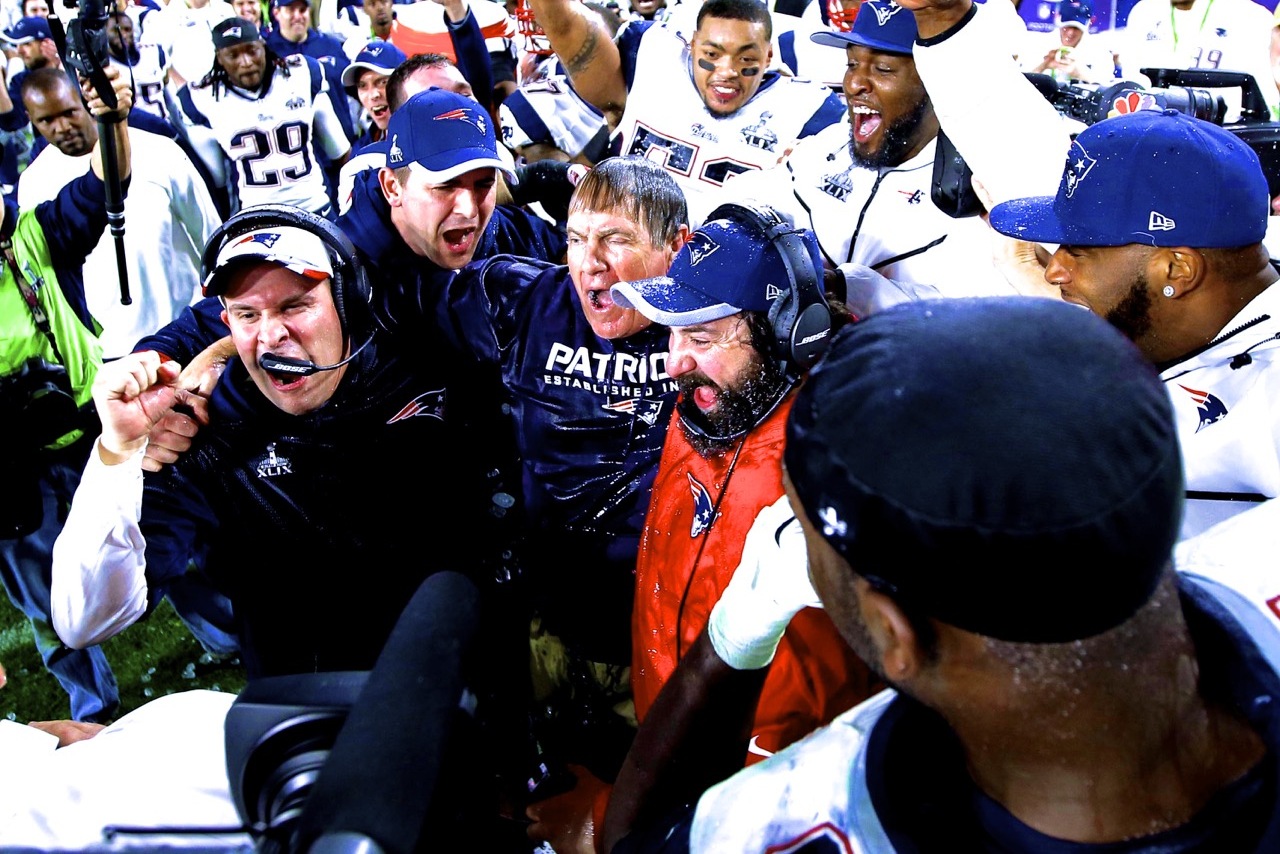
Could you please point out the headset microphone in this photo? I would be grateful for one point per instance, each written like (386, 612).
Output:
(283, 366)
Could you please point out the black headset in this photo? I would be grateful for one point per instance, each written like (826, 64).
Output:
(800, 317)
(352, 292)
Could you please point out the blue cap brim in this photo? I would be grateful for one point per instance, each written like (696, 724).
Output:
(664, 300)
(843, 40)
(462, 161)
(1033, 219)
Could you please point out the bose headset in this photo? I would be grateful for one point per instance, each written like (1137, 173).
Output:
(350, 283)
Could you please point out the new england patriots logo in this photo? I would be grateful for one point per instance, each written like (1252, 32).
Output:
(463, 114)
(295, 104)
(1079, 164)
(1210, 407)
(430, 404)
(646, 410)
(884, 11)
(231, 32)
(701, 248)
(266, 238)
(701, 507)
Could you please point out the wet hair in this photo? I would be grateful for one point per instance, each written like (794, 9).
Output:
(406, 69)
(638, 189)
(738, 10)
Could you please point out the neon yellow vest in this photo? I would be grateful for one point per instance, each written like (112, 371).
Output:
(21, 338)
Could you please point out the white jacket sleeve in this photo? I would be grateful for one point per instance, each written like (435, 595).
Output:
(770, 586)
(1012, 138)
(99, 565)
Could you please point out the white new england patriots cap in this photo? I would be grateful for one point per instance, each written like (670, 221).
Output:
(289, 246)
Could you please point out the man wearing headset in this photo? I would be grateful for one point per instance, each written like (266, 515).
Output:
(271, 486)
(738, 347)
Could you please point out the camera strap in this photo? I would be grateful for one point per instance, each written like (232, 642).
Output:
(29, 296)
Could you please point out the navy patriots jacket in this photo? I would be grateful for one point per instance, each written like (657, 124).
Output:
(301, 519)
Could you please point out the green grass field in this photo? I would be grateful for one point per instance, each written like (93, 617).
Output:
(151, 658)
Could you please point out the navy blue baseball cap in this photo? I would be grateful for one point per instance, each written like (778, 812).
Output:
(1155, 177)
(1078, 15)
(727, 266)
(28, 29)
(881, 25)
(378, 56)
(233, 31)
(443, 134)
(1006, 465)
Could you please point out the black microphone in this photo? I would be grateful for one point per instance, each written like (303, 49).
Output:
(286, 367)
(391, 761)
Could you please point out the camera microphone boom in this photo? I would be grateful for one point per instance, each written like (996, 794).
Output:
(85, 51)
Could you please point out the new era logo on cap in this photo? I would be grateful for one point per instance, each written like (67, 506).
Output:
(1159, 222)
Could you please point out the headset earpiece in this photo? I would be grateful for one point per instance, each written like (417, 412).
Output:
(800, 317)
(352, 293)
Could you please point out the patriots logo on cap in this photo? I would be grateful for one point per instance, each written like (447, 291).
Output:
(232, 31)
(395, 154)
(373, 51)
(1079, 164)
(1211, 409)
(701, 247)
(267, 239)
(884, 11)
(1159, 222)
(702, 509)
(463, 114)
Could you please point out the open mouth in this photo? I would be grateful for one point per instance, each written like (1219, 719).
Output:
(866, 122)
(459, 239)
(722, 93)
(705, 397)
(380, 112)
(601, 299)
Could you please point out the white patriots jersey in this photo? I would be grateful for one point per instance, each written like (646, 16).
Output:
(1229, 35)
(1227, 408)
(148, 79)
(271, 139)
(881, 218)
(666, 121)
(547, 109)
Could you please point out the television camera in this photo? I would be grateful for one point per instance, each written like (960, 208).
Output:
(1196, 92)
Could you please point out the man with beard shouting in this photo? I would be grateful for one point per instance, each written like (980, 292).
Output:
(864, 185)
(739, 344)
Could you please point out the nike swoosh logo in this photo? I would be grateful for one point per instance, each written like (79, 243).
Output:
(752, 747)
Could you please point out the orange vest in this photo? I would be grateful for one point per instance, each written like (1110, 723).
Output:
(684, 565)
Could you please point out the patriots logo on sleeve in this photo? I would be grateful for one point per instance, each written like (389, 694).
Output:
(1210, 407)
(702, 509)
